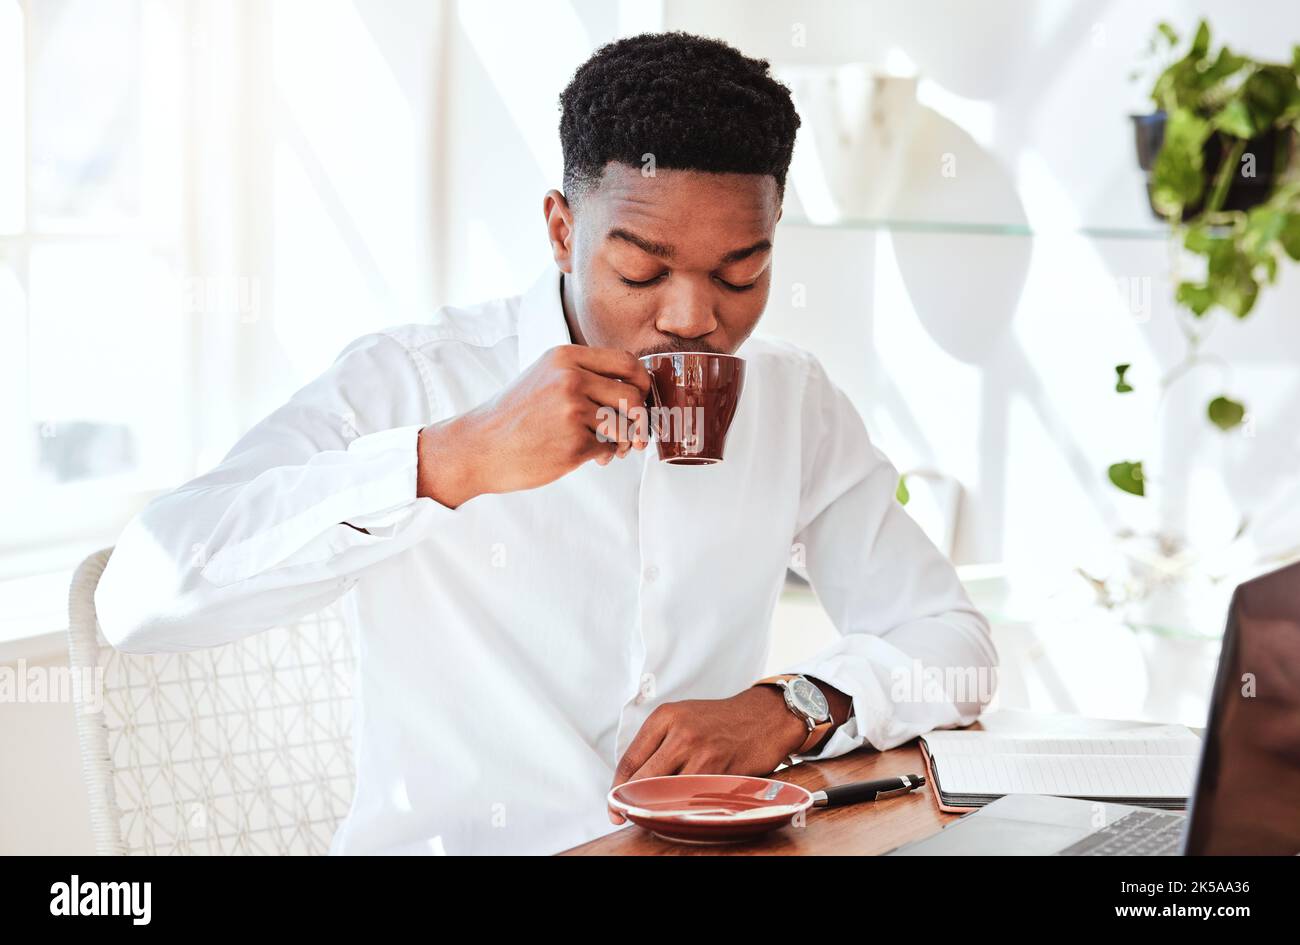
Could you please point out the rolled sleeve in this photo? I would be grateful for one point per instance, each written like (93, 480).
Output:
(323, 488)
(371, 485)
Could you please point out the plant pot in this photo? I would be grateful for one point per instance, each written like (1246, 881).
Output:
(1272, 152)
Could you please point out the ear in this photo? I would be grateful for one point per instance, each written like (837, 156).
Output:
(559, 229)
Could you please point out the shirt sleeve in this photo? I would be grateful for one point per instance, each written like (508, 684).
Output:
(318, 491)
(914, 654)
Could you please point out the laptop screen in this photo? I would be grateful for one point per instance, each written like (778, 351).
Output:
(1247, 797)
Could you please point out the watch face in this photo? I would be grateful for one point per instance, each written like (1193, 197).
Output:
(809, 700)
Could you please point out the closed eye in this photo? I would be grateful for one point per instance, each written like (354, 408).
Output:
(641, 284)
(644, 283)
(737, 288)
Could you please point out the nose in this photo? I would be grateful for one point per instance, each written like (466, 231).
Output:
(687, 312)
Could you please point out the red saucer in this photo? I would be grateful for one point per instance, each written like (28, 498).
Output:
(709, 808)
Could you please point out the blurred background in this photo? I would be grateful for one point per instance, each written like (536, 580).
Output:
(201, 203)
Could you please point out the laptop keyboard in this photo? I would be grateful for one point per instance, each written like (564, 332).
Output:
(1141, 833)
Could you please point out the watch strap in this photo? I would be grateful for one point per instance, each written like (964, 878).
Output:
(815, 735)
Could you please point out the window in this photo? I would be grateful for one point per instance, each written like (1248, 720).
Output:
(93, 319)
(198, 209)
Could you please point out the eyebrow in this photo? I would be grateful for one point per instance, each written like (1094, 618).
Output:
(736, 255)
(666, 251)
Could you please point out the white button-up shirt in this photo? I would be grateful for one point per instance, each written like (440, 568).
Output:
(510, 649)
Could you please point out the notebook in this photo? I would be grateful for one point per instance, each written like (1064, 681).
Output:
(1149, 767)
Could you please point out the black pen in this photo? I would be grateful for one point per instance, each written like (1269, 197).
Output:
(866, 790)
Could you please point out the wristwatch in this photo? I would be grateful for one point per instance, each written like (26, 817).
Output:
(806, 701)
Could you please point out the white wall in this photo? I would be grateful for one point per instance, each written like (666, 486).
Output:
(991, 356)
(44, 807)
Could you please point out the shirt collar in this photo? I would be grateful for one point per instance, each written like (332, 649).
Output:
(541, 318)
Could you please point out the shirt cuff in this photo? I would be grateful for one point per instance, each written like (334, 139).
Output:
(401, 447)
(372, 485)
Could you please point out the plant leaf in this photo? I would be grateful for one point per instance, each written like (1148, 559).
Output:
(1231, 279)
(1198, 298)
(1201, 42)
(1268, 93)
(1234, 119)
(1128, 477)
(1225, 413)
(1289, 237)
(1122, 386)
(901, 493)
(1264, 224)
(1227, 64)
(1198, 239)
(1177, 177)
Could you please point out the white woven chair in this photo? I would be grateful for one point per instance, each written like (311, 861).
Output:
(239, 749)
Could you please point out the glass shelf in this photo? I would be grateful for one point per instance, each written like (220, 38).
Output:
(955, 228)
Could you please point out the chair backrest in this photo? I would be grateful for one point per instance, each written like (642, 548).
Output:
(240, 749)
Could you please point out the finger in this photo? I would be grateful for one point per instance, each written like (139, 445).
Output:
(615, 396)
(612, 433)
(611, 391)
(603, 445)
(643, 746)
(602, 453)
(614, 429)
(610, 437)
(667, 760)
(613, 363)
(612, 426)
(640, 418)
(625, 441)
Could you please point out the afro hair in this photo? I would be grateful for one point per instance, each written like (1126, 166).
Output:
(691, 102)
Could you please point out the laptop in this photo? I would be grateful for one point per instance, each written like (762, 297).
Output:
(1248, 777)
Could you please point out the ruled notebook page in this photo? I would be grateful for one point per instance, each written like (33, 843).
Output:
(1159, 762)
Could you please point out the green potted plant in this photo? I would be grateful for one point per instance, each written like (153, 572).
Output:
(1218, 151)
(1229, 112)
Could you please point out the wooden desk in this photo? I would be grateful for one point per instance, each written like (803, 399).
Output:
(858, 828)
(870, 828)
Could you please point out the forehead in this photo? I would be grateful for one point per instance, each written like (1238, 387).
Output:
(695, 211)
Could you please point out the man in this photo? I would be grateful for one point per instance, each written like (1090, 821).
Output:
(543, 611)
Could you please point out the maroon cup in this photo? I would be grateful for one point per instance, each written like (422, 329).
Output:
(694, 395)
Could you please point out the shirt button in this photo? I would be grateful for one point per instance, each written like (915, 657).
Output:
(651, 573)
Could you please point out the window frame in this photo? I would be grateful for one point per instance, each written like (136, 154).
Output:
(34, 539)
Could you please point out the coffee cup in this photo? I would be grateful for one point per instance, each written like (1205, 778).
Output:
(693, 399)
